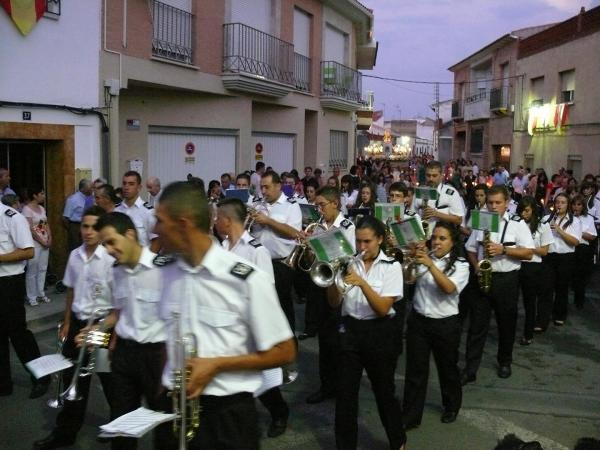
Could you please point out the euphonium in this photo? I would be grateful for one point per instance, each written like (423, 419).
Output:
(57, 402)
(252, 211)
(325, 274)
(187, 412)
(348, 263)
(485, 265)
(302, 257)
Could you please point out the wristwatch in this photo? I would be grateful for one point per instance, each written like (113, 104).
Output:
(504, 250)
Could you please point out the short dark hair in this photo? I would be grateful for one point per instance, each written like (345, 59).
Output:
(259, 165)
(330, 193)
(312, 183)
(233, 208)
(121, 222)
(196, 181)
(108, 191)
(274, 176)
(94, 210)
(308, 167)
(372, 223)
(481, 187)
(33, 191)
(226, 175)
(83, 182)
(398, 186)
(245, 176)
(498, 189)
(133, 173)
(183, 199)
(435, 165)
(10, 199)
(318, 171)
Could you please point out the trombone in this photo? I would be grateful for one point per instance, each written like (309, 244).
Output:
(57, 402)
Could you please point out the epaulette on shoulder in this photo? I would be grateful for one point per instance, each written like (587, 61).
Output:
(461, 259)
(516, 218)
(148, 205)
(163, 260)
(388, 261)
(291, 200)
(118, 204)
(10, 213)
(241, 270)
(410, 213)
(255, 243)
(450, 190)
(255, 199)
(300, 196)
(345, 224)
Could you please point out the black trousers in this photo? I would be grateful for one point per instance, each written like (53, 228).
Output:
(71, 416)
(275, 403)
(582, 269)
(503, 299)
(136, 373)
(284, 279)
(368, 345)
(74, 235)
(312, 309)
(532, 281)
(13, 327)
(559, 269)
(226, 423)
(442, 338)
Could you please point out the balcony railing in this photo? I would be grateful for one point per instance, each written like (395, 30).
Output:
(172, 33)
(341, 81)
(302, 69)
(481, 95)
(251, 51)
(499, 98)
(457, 109)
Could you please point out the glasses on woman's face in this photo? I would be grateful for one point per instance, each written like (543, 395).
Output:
(322, 205)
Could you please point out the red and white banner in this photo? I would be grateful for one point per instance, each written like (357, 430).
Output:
(548, 116)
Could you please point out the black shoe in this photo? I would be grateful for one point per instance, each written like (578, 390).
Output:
(319, 397)
(504, 371)
(466, 378)
(277, 427)
(39, 388)
(411, 425)
(53, 441)
(303, 336)
(449, 416)
(6, 391)
(525, 341)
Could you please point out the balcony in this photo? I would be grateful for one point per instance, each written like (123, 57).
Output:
(256, 62)
(499, 100)
(172, 33)
(477, 106)
(302, 69)
(341, 87)
(457, 109)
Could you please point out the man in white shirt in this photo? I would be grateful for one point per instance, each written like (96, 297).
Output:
(256, 177)
(153, 188)
(74, 207)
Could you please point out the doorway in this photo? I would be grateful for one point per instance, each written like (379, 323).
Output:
(25, 160)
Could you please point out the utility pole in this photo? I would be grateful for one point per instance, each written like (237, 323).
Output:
(436, 128)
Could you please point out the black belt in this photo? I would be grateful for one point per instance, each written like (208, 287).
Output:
(506, 273)
(359, 324)
(131, 343)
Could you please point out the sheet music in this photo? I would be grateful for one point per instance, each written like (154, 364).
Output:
(45, 365)
(270, 379)
(136, 423)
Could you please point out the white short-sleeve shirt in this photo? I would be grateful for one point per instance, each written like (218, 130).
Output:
(385, 277)
(230, 307)
(249, 248)
(283, 210)
(543, 236)
(136, 293)
(143, 218)
(449, 202)
(15, 234)
(91, 279)
(574, 229)
(587, 226)
(429, 300)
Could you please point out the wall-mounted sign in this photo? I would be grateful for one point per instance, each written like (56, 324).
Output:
(133, 124)
(190, 160)
(258, 157)
(26, 115)
(258, 148)
(190, 148)
(548, 116)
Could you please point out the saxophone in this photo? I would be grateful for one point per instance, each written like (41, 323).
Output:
(485, 266)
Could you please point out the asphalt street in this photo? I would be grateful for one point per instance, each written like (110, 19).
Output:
(553, 396)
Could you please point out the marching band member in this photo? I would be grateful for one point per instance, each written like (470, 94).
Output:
(312, 186)
(507, 248)
(480, 192)
(329, 205)
(434, 325)
(289, 183)
(139, 334)
(584, 252)
(231, 309)
(367, 196)
(559, 262)
(366, 336)
(532, 276)
(278, 232)
(88, 277)
(231, 216)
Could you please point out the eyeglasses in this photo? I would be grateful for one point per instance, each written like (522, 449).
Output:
(322, 205)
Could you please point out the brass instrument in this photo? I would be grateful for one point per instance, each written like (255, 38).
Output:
(302, 257)
(325, 274)
(485, 265)
(187, 421)
(410, 266)
(391, 251)
(252, 211)
(94, 338)
(57, 402)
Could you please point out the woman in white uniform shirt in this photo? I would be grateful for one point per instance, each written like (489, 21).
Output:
(349, 194)
(434, 325)
(532, 277)
(561, 257)
(584, 252)
(367, 338)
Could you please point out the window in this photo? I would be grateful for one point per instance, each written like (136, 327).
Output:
(476, 141)
(567, 86)
(338, 149)
(172, 28)
(52, 9)
(536, 94)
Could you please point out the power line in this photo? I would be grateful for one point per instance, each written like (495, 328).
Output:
(440, 82)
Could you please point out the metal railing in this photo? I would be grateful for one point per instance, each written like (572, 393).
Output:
(457, 109)
(342, 81)
(481, 95)
(302, 70)
(248, 50)
(172, 33)
(499, 98)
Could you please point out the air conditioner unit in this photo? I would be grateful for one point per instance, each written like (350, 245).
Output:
(568, 96)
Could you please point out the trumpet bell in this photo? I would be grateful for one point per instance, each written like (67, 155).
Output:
(322, 274)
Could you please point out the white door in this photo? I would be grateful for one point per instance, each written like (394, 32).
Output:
(277, 150)
(207, 156)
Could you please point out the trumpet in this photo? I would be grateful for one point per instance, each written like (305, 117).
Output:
(57, 402)
(485, 266)
(302, 257)
(325, 274)
(95, 338)
(187, 412)
(252, 211)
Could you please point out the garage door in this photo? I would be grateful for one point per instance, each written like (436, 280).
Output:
(171, 157)
(277, 150)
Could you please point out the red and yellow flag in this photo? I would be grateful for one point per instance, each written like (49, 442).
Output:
(24, 13)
